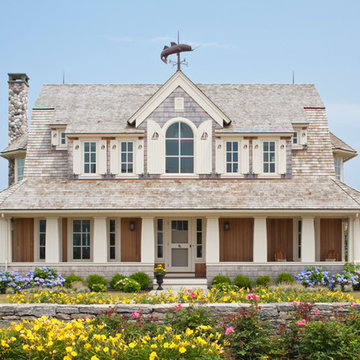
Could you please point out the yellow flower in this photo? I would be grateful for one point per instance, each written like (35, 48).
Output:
(68, 349)
(166, 345)
(182, 350)
(153, 346)
(87, 346)
(132, 345)
(189, 332)
(94, 358)
(153, 356)
(105, 349)
(66, 357)
(25, 347)
(73, 353)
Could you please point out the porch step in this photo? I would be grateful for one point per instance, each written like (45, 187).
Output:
(171, 275)
(182, 283)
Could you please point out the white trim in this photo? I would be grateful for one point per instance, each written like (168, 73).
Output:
(179, 80)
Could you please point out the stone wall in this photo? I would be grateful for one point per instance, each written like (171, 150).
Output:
(277, 313)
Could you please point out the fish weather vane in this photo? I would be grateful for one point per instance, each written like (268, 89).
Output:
(175, 48)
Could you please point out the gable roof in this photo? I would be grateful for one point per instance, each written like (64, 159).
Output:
(107, 108)
(18, 145)
(341, 147)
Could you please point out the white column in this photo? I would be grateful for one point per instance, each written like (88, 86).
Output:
(260, 240)
(3, 240)
(308, 240)
(147, 240)
(350, 240)
(52, 240)
(100, 245)
(356, 239)
(212, 240)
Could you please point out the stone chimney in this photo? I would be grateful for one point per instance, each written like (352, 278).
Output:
(18, 105)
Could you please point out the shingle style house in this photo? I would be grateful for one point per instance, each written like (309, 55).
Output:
(206, 179)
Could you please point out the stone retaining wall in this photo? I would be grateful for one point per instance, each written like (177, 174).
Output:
(277, 313)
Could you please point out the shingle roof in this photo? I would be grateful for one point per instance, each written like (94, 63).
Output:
(251, 108)
(319, 193)
(18, 144)
(338, 144)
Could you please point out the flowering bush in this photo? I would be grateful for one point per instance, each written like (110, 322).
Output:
(44, 277)
(314, 275)
(11, 279)
(159, 270)
(128, 285)
(344, 279)
(353, 269)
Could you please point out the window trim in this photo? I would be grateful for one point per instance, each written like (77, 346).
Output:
(194, 130)
(239, 172)
(267, 174)
(82, 174)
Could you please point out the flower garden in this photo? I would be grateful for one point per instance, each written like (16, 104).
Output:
(188, 331)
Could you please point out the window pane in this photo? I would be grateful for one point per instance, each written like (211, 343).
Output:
(235, 157)
(187, 147)
(160, 224)
(42, 225)
(130, 157)
(186, 131)
(199, 252)
(112, 253)
(272, 146)
(85, 239)
(228, 157)
(86, 253)
(235, 168)
(112, 225)
(130, 146)
(93, 146)
(160, 238)
(77, 239)
(266, 168)
(93, 168)
(42, 253)
(173, 131)
(112, 239)
(228, 146)
(172, 147)
(266, 146)
(76, 252)
(235, 146)
(266, 157)
(86, 157)
(76, 225)
(93, 157)
(160, 252)
(42, 239)
(272, 168)
(172, 165)
(86, 225)
(86, 147)
(86, 169)
(130, 168)
(187, 165)
(198, 224)
(199, 238)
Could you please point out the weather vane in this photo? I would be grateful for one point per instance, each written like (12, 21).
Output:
(175, 48)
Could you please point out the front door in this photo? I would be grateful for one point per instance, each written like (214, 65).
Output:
(180, 246)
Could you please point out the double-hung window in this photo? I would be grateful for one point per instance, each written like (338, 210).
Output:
(338, 167)
(81, 239)
(179, 149)
(20, 162)
(269, 157)
(42, 239)
(127, 157)
(89, 157)
(232, 157)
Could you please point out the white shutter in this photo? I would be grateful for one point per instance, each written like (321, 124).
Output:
(139, 158)
(77, 161)
(203, 148)
(155, 148)
(244, 153)
(102, 158)
(55, 138)
(282, 157)
(257, 153)
(219, 156)
(114, 157)
(303, 136)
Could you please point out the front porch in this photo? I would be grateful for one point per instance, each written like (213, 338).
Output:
(189, 246)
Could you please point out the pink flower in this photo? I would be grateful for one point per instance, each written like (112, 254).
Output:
(301, 322)
(316, 312)
(229, 330)
(178, 307)
(353, 305)
(294, 303)
(193, 295)
(135, 315)
(189, 290)
(252, 297)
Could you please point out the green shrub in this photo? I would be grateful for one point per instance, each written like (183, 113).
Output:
(115, 279)
(95, 279)
(97, 287)
(221, 280)
(142, 278)
(263, 281)
(72, 278)
(242, 281)
(285, 277)
(128, 285)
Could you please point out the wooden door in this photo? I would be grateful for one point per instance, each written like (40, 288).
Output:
(236, 239)
(23, 240)
(279, 238)
(130, 240)
(330, 239)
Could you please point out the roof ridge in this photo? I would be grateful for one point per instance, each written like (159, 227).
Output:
(346, 192)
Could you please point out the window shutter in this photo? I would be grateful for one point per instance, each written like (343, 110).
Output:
(77, 161)
(55, 138)
(203, 148)
(114, 157)
(303, 136)
(219, 156)
(102, 158)
(244, 148)
(155, 148)
(282, 157)
(257, 153)
(139, 158)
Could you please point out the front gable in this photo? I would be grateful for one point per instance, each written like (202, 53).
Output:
(179, 80)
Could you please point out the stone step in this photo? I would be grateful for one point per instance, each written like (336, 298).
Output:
(182, 283)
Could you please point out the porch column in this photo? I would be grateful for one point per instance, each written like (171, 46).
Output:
(147, 240)
(260, 240)
(356, 239)
(3, 240)
(350, 240)
(212, 240)
(52, 240)
(308, 240)
(100, 245)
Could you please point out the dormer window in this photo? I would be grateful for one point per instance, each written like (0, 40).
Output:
(62, 138)
(127, 157)
(232, 157)
(296, 138)
(179, 149)
(269, 157)
(19, 168)
(90, 157)
(58, 138)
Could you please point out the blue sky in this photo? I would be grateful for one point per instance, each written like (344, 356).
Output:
(238, 42)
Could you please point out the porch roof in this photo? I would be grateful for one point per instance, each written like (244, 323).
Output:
(321, 193)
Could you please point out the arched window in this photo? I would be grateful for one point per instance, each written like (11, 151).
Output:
(179, 149)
